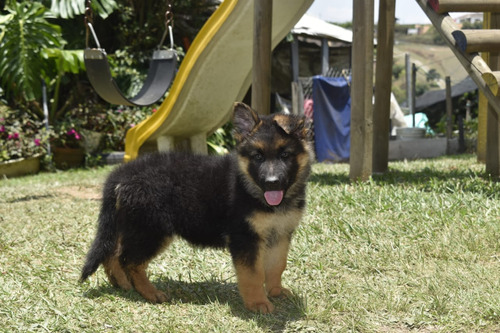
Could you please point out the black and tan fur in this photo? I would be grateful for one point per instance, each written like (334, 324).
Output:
(249, 202)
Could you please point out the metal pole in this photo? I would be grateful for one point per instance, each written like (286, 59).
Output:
(45, 112)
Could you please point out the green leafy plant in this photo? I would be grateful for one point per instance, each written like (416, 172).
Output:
(222, 140)
(66, 61)
(70, 8)
(24, 33)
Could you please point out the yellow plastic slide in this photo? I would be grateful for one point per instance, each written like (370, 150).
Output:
(215, 73)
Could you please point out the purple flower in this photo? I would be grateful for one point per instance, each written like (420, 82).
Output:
(14, 136)
(37, 142)
(2, 128)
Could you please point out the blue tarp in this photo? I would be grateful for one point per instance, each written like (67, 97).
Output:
(332, 118)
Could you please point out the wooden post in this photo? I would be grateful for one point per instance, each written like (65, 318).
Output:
(492, 130)
(324, 56)
(383, 84)
(413, 93)
(361, 92)
(409, 88)
(449, 110)
(297, 98)
(482, 112)
(262, 35)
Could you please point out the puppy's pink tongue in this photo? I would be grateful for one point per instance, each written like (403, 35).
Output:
(273, 198)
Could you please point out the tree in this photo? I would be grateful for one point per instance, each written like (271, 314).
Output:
(396, 70)
(432, 75)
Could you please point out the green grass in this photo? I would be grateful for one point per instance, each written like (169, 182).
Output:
(415, 250)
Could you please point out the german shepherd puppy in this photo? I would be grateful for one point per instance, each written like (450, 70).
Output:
(249, 202)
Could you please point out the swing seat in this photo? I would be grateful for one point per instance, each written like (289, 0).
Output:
(160, 74)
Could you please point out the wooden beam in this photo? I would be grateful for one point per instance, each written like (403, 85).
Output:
(493, 130)
(477, 40)
(262, 35)
(472, 63)
(362, 91)
(492, 79)
(383, 85)
(449, 113)
(444, 6)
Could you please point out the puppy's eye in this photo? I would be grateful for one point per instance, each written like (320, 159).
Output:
(258, 157)
(284, 154)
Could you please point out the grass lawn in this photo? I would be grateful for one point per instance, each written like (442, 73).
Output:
(415, 250)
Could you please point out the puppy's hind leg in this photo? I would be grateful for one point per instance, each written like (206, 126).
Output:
(135, 268)
(116, 275)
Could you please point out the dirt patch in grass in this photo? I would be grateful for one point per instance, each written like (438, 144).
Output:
(79, 192)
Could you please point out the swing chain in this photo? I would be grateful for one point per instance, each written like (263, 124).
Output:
(89, 20)
(169, 15)
(169, 23)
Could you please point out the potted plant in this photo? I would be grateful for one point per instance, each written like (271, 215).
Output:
(67, 144)
(22, 143)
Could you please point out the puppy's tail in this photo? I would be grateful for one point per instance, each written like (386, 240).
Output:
(105, 240)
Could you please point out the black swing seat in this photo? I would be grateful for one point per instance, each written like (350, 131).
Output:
(160, 74)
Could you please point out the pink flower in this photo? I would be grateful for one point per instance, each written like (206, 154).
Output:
(154, 110)
(2, 128)
(37, 142)
(74, 133)
(13, 136)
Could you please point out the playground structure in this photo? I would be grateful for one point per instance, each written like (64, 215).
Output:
(483, 69)
(369, 139)
(216, 72)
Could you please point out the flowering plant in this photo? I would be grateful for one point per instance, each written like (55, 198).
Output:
(21, 136)
(66, 133)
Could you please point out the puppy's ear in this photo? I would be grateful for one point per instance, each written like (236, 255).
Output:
(298, 126)
(245, 120)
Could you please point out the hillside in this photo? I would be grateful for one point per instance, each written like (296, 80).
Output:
(426, 57)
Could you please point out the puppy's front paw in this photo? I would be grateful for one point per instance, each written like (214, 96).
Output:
(155, 296)
(279, 292)
(261, 307)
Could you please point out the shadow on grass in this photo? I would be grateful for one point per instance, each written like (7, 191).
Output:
(208, 292)
(31, 198)
(426, 179)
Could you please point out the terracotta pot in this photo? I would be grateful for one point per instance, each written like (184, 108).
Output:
(66, 158)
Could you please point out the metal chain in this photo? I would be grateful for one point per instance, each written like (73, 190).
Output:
(89, 19)
(169, 23)
(89, 22)
(169, 15)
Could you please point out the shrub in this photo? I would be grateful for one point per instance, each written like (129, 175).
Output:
(20, 135)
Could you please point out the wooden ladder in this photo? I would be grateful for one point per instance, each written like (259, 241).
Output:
(466, 45)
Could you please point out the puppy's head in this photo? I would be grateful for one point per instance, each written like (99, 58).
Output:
(274, 153)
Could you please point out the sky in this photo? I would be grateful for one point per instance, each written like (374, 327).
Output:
(339, 11)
